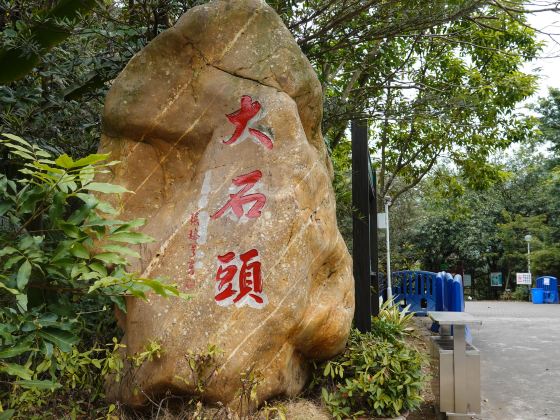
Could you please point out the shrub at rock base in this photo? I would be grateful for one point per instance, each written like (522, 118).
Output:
(378, 374)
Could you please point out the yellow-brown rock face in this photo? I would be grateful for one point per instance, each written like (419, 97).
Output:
(217, 125)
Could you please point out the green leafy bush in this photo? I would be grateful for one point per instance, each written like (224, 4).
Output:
(520, 293)
(63, 258)
(378, 373)
(392, 323)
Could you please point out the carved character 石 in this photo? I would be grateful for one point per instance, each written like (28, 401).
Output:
(239, 199)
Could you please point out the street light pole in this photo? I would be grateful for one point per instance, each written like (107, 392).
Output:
(529, 257)
(387, 201)
(528, 239)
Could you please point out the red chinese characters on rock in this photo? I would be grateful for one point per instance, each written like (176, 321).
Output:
(241, 198)
(239, 281)
(244, 120)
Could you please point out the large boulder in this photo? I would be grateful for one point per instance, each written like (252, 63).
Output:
(217, 123)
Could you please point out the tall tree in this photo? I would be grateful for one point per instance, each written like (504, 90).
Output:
(449, 91)
(549, 119)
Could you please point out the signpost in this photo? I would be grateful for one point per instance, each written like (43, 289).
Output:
(496, 279)
(467, 280)
(523, 278)
(364, 229)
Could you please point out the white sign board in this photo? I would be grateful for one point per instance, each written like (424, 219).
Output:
(381, 221)
(546, 281)
(467, 280)
(523, 278)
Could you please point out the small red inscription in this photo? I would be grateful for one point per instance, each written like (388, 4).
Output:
(239, 199)
(244, 119)
(239, 281)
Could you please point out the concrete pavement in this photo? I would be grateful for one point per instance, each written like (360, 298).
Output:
(520, 359)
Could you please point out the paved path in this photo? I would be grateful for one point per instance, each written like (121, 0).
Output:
(520, 359)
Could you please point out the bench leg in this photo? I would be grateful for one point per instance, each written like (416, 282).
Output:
(460, 368)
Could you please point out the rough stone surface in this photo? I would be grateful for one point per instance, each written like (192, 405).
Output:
(170, 118)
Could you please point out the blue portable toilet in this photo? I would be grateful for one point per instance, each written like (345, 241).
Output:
(549, 284)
